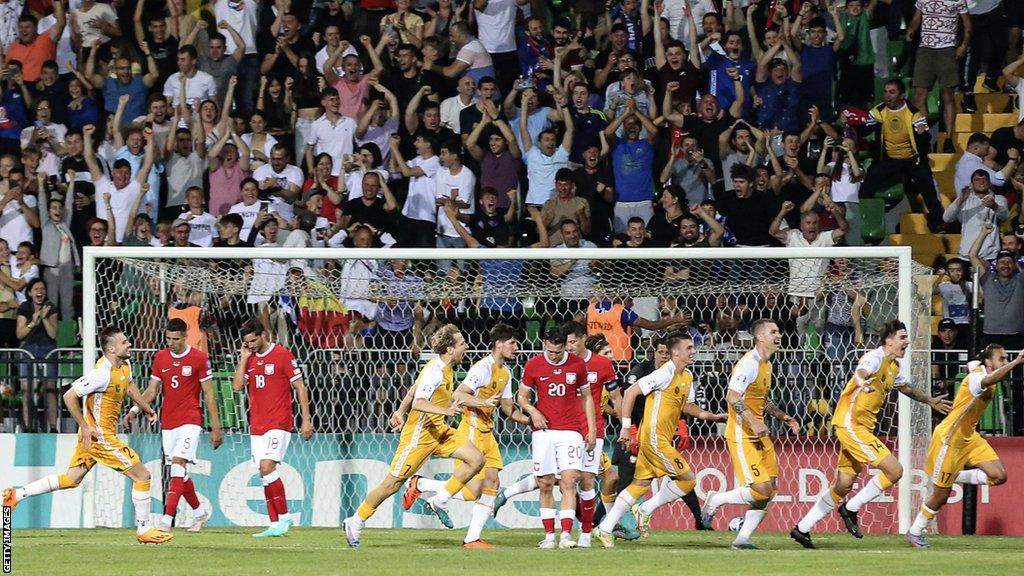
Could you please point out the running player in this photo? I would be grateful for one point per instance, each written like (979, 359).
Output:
(269, 372)
(425, 434)
(103, 390)
(181, 371)
(558, 379)
(671, 394)
(488, 378)
(956, 443)
(751, 450)
(854, 422)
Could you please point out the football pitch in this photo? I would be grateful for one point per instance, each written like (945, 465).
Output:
(306, 551)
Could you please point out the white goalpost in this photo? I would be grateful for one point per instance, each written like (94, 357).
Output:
(357, 320)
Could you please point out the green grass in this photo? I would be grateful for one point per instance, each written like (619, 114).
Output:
(392, 552)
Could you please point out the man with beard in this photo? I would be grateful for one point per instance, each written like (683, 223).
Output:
(499, 163)
(633, 166)
(536, 53)
(710, 121)
(409, 76)
(607, 61)
(727, 69)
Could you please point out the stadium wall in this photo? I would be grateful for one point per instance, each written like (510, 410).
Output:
(327, 476)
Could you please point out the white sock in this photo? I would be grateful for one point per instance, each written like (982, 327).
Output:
(166, 519)
(623, 503)
(566, 513)
(921, 521)
(975, 476)
(141, 502)
(751, 519)
(670, 492)
(441, 497)
(741, 495)
(430, 485)
(821, 508)
(526, 484)
(869, 492)
(199, 510)
(481, 512)
(44, 485)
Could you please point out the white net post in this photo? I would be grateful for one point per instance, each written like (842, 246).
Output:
(356, 379)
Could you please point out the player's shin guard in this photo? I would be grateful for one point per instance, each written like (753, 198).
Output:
(670, 492)
(741, 495)
(587, 502)
(873, 489)
(276, 487)
(924, 516)
(547, 518)
(526, 484)
(751, 520)
(481, 512)
(140, 498)
(566, 516)
(174, 493)
(976, 476)
(623, 503)
(268, 495)
(825, 505)
(44, 485)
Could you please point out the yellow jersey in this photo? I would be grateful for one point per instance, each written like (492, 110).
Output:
(435, 383)
(103, 389)
(751, 377)
(859, 406)
(667, 391)
(970, 403)
(486, 378)
(898, 136)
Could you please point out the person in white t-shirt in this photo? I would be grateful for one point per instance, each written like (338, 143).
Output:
(242, 16)
(420, 209)
(122, 188)
(496, 23)
(845, 182)
(249, 209)
(457, 182)
(202, 225)
(198, 85)
(95, 22)
(278, 174)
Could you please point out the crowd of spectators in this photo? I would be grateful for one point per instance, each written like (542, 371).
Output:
(492, 123)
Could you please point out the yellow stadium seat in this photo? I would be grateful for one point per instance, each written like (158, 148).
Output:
(944, 180)
(936, 305)
(991, 122)
(911, 223)
(952, 242)
(925, 247)
(968, 122)
(943, 161)
(961, 141)
(935, 324)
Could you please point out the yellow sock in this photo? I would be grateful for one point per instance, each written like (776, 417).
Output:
(637, 491)
(468, 494)
(608, 499)
(884, 482)
(928, 512)
(758, 497)
(140, 486)
(835, 495)
(686, 486)
(64, 482)
(452, 486)
(365, 511)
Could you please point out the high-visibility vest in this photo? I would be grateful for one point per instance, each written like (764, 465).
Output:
(609, 323)
(195, 337)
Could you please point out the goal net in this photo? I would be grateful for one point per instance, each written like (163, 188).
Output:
(358, 319)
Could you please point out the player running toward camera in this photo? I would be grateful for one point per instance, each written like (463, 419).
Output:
(488, 379)
(854, 421)
(670, 393)
(103, 389)
(425, 434)
(750, 448)
(182, 372)
(956, 443)
(564, 408)
(269, 372)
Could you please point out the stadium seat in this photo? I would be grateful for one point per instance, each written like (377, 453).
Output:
(926, 247)
(893, 193)
(968, 123)
(943, 161)
(227, 401)
(67, 333)
(960, 143)
(872, 220)
(992, 420)
(991, 122)
(912, 223)
(952, 242)
(533, 333)
(996, 102)
(944, 180)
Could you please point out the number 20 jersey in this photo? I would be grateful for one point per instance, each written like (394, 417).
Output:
(557, 387)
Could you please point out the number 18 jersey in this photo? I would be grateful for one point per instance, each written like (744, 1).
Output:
(269, 378)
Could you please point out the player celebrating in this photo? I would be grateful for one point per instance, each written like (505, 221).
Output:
(557, 378)
(425, 434)
(854, 422)
(670, 392)
(270, 371)
(182, 371)
(103, 389)
(750, 449)
(487, 379)
(956, 443)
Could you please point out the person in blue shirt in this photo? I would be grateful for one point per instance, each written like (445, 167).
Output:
(536, 53)
(124, 82)
(632, 166)
(778, 85)
(15, 100)
(819, 63)
(723, 66)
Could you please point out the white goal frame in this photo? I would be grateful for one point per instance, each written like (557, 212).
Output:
(902, 253)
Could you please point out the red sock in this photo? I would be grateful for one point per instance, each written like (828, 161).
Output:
(190, 493)
(567, 522)
(549, 525)
(587, 515)
(277, 496)
(268, 495)
(173, 495)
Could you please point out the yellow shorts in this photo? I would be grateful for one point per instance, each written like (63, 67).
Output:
(661, 459)
(858, 447)
(417, 444)
(606, 463)
(753, 459)
(945, 461)
(485, 443)
(109, 451)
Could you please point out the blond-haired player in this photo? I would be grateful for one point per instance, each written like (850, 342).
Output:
(750, 449)
(956, 443)
(487, 379)
(670, 393)
(854, 421)
(425, 434)
(95, 402)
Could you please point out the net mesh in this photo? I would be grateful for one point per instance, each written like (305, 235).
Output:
(358, 328)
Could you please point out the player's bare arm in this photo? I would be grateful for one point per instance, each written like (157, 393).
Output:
(397, 419)
(591, 413)
(74, 405)
(997, 375)
(307, 423)
(512, 412)
(140, 401)
(238, 380)
(772, 409)
(739, 405)
(940, 404)
(464, 396)
(149, 395)
(536, 418)
(216, 434)
(694, 411)
(626, 408)
(427, 407)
